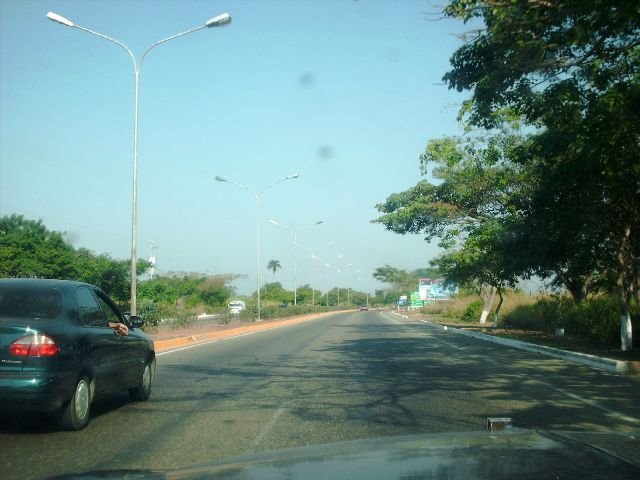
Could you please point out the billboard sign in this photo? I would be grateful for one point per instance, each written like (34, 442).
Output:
(435, 289)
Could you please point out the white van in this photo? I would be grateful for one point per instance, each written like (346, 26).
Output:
(236, 307)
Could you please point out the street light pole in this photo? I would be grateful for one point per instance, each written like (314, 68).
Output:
(349, 283)
(295, 261)
(257, 196)
(327, 265)
(217, 21)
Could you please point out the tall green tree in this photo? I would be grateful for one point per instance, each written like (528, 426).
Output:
(111, 275)
(571, 69)
(307, 294)
(216, 290)
(474, 181)
(399, 279)
(483, 264)
(193, 288)
(476, 196)
(274, 266)
(402, 281)
(29, 249)
(275, 292)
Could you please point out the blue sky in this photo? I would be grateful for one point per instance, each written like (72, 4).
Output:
(345, 93)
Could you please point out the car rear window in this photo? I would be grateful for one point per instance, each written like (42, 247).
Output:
(30, 302)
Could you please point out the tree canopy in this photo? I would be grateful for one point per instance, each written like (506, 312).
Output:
(403, 280)
(274, 266)
(29, 249)
(192, 288)
(571, 69)
(562, 200)
(533, 58)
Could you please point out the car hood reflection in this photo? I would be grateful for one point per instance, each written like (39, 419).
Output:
(514, 453)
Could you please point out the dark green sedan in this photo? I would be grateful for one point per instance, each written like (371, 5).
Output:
(64, 344)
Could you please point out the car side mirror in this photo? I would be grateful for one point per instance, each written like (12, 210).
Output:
(136, 322)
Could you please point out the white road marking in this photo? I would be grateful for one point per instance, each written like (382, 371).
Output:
(613, 413)
(266, 429)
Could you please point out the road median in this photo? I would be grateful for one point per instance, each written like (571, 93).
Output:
(197, 338)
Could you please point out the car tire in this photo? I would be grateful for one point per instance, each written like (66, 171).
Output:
(142, 391)
(75, 414)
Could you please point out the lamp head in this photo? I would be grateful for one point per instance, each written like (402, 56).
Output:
(219, 20)
(60, 19)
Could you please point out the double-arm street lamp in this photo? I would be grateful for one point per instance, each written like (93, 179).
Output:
(295, 262)
(257, 196)
(217, 21)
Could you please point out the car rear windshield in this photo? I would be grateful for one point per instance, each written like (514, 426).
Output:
(30, 302)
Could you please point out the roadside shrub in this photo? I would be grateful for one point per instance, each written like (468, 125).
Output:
(177, 317)
(456, 308)
(526, 317)
(149, 311)
(452, 309)
(472, 312)
(595, 319)
(546, 314)
(225, 319)
(436, 308)
(184, 319)
(273, 311)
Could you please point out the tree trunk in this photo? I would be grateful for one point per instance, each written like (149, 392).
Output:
(488, 295)
(626, 330)
(497, 314)
(626, 334)
(579, 290)
(624, 295)
(577, 286)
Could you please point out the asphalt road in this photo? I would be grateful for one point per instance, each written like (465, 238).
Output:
(343, 377)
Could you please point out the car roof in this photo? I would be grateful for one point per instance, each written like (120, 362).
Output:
(42, 282)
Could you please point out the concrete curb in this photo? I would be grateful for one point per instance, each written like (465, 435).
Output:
(170, 344)
(602, 363)
(608, 364)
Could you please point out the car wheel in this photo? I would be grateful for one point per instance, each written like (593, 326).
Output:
(143, 391)
(75, 415)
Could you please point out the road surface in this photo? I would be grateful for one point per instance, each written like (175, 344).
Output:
(343, 377)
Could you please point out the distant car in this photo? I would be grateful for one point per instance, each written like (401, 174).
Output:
(58, 353)
(364, 308)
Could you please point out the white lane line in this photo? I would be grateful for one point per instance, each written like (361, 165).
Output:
(266, 429)
(594, 404)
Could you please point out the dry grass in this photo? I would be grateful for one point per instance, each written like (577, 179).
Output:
(454, 308)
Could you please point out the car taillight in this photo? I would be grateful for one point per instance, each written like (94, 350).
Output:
(34, 346)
